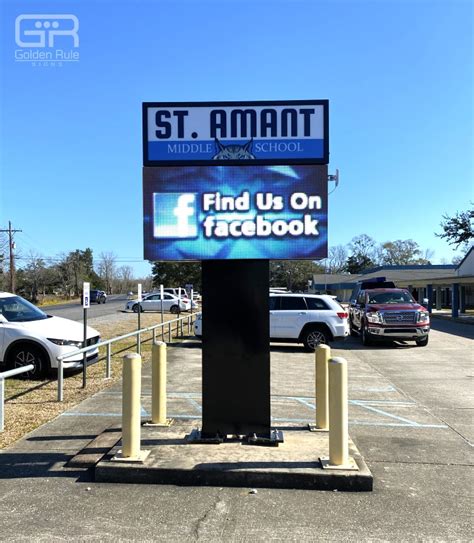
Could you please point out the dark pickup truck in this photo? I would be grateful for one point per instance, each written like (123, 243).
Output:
(380, 311)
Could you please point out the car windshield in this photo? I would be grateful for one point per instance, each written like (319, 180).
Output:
(16, 309)
(391, 298)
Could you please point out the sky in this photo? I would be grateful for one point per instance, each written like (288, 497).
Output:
(398, 76)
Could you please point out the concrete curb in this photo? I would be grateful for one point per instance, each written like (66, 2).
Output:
(292, 465)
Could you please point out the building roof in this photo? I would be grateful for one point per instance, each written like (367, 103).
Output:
(396, 274)
(466, 257)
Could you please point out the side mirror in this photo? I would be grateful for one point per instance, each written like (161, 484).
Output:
(2, 319)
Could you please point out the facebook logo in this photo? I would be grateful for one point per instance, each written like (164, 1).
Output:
(175, 215)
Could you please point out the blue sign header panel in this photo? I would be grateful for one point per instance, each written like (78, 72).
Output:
(235, 212)
(293, 132)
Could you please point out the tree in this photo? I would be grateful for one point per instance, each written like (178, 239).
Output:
(363, 246)
(176, 274)
(336, 260)
(458, 230)
(31, 277)
(293, 274)
(74, 269)
(363, 254)
(401, 253)
(107, 270)
(125, 279)
(358, 263)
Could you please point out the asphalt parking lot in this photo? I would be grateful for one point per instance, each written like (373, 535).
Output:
(410, 414)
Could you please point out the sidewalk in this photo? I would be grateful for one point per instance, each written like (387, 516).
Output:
(293, 464)
(466, 318)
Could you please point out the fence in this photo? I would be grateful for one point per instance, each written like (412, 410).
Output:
(166, 330)
(4, 375)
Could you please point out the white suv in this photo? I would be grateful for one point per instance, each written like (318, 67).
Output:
(303, 318)
(29, 336)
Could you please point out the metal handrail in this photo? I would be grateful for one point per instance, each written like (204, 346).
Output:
(108, 342)
(5, 375)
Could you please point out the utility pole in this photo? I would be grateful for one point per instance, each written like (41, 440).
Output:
(11, 245)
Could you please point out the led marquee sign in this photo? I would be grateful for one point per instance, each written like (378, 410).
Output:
(235, 180)
(235, 212)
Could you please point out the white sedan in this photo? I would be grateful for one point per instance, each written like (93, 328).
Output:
(29, 336)
(153, 302)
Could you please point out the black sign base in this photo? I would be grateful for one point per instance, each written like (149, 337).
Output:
(235, 348)
(276, 437)
(197, 437)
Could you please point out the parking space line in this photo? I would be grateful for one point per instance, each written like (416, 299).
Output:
(306, 403)
(193, 402)
(384, 413)
(388, 388)
(394, 424)
(193, 399)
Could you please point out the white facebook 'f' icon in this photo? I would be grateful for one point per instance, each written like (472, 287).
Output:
(175, 215)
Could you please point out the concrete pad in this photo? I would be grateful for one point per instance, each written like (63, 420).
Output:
(293, 464)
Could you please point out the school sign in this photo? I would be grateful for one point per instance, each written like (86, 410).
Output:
(279, 133)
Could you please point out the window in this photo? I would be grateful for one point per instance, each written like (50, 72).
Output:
(390, 298)
(316, 303)
(293, 303)
(274, 303)
(16, 309)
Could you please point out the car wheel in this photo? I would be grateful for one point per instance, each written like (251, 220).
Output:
(313, 338)
(24, 355)
(422, 342)
(174, 309)
(136, 308)
(365, 336)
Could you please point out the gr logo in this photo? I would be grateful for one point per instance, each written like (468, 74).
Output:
(32, 30)
(175, 215)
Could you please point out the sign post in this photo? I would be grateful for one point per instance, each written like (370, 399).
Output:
(162, 294)
(139, 298)
(86, 303)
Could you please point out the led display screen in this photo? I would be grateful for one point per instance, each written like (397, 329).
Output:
(235, 212)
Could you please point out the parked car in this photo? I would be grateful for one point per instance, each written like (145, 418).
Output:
(180, 292)
(30, 336)
(302, 318)
(388, 314)
(152, 302)
(98, 296)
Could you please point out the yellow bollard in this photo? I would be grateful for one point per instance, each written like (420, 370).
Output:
(338, 417)
(131, 408)
(158, 385)
(322, 356)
